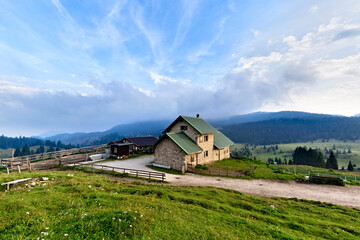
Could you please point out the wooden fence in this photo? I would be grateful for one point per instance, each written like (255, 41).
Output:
(220, 172)
(48, 155)
(132, 172)
(312, 173)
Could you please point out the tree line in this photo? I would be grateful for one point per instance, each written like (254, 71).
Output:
(47, 146)
(277, 131)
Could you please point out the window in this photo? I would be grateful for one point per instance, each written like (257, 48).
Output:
(206, 138)
(206, 154)
(183, 128)
(200, 139)
(192, 158)
(115, 149)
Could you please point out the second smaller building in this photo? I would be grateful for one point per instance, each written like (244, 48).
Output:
(120, 149)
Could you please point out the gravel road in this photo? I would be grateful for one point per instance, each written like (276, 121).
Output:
(344, 196)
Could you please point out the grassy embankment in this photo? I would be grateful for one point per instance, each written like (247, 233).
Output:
(248, 169)
(76, 205)
(286, 150)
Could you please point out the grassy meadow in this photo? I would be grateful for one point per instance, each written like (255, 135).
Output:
(5, 153)
(286, 150)
(75, 205)
(250, 169)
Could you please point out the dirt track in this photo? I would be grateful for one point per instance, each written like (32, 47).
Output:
(345, 196)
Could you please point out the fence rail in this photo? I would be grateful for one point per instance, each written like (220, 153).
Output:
(312, 173)
(241, 173)
(42, 156)
(129, 171)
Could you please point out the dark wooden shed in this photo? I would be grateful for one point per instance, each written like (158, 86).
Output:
(121, 149)
(141, 143)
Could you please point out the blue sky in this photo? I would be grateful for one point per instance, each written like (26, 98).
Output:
(70, 66)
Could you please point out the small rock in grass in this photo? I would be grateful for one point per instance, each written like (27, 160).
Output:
(272, 206)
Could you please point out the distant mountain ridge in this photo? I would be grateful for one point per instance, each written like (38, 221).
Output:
(153, 128)
(292, 130)
(234, 127)
(262, 116)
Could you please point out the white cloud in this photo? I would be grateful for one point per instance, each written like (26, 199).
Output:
(185, 22)
(314, 9)
(302, 73)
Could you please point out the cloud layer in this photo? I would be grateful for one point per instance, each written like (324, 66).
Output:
(129, 62)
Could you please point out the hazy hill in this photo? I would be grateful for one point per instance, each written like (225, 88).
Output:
(253, 128)
(116, 133)
(262, 116)
(291, 130)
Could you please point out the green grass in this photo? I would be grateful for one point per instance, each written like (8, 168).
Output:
(286, 150)
(171, 171)
(6, 153)
(253, 169)
(89, 207)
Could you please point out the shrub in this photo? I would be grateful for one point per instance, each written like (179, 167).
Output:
(202, 167)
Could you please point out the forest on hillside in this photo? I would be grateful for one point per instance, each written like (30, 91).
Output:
(277, 131)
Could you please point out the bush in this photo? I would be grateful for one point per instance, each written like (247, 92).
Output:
(250, 170)
(202, 167)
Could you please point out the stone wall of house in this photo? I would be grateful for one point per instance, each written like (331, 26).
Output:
(220, 154)
(191, 132)
(226, 152)
(169, 154)
(192, 158)
(206, 146)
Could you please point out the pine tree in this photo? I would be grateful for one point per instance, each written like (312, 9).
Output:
(17, 152)
(350, 167)
(331, 162)
(25, 151)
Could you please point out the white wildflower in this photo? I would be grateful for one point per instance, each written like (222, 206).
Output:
(65, 235)
(27, 213)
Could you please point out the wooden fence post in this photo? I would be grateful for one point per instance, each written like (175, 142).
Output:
(29, 165)
(19, 168)
(7, 168)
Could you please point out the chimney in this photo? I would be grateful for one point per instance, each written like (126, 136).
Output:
(197, 115)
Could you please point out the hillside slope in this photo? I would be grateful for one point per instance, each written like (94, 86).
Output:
(282, 130)
(80, 206)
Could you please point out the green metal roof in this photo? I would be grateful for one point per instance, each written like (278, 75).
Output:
(200, 125)
(184, 142)
(221, 141)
